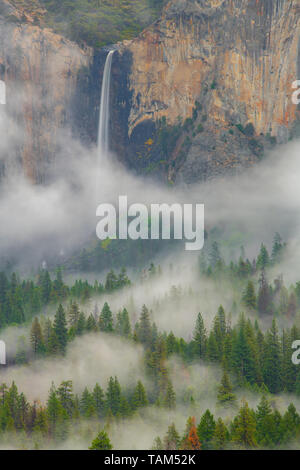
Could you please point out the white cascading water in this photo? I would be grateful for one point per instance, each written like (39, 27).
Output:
(103, 131)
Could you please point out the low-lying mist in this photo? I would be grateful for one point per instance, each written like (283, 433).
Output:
(41, 221)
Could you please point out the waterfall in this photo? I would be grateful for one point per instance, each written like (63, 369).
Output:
(103, 132)
(2, 92)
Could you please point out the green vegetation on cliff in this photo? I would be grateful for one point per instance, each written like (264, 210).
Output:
(101, 22)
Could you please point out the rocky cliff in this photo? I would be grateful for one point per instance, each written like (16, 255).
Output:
(213, 78)
(41, 71)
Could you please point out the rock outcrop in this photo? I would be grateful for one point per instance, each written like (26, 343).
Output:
(222, 72)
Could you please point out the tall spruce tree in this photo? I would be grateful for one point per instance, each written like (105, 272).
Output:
(106, 319)
(200, 337)
(60, 329)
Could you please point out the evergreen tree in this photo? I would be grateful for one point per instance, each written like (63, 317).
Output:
(98, 396)
(113, 396)
(144, 327)
(60, 329)
(46, 286)
(170, 396)
(73, 314)
(244, 428)
(65, 395)
(36, 337)
(213, 350)
(101, 442)
(87, 404)
(214, 254)
(172, 438)
(206, 430)
(277, 248)
(157, 445)
(91, 325)
(264, 296)
(81, 324)
(21, 354)
(56, 415)
(200, 337)
(263, 258)
(139, 398)
(264, 421)
(249, 297)
(123, 327)
(221, 434)
(272, 360)
(225, 395)
(112, 282)
(290, 424)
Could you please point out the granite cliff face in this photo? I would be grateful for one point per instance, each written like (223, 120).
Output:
(219, 73)
(41, 71)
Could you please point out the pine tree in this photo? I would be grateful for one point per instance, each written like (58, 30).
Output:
(171, 343)
(73, 313)
(272, 360)
(297, 385)
(98, 396)
(264, 422)
(47, 331)
(81, 324)
(243, 354)
(288, 369)
(123, 278)
(264, 297)
(244, 428)
(263, 258)
(172, 438)
(113, 396)
(60, 329)
(225, 395)
(123, 327)
(101, 442)
(206, 429)
(53, 346)
(249, 297)
(213, 351)
(36, 337)
(46, 286)
(277, 248)
(144, 327)
(200, 337)
(65, 395)
(21, 354)
(139, 398)
(190, 440)
(220, 436)
(112, 282)
(56, 415)
(87, 404)
(91, 324)
(170, 396)
(157, 444)
(106, 319)
(214, 254)
(290, 424)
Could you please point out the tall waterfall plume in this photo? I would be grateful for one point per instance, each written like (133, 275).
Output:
(103, 132)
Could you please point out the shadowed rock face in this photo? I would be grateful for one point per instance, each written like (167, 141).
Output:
(41, 71)
(233, 60)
